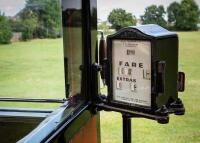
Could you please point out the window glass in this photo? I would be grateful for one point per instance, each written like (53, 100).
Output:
(72, 32)
(31, 49)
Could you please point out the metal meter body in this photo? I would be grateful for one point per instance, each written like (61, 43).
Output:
(142, 70)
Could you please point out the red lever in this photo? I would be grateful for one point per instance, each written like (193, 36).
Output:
(181, 81)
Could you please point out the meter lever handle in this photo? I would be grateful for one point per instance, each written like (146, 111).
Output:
(161, 65)
(181, 81)
(102, 56)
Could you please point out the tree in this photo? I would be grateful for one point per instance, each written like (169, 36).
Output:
(28, 27)
(119, 18)
(48, 15)
(5, 30)
(154, 15)
(104, 27)
(183, 16)
(16, 25)
(188, 16)
(173, 12)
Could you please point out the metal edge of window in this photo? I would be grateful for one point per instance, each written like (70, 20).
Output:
(56, 122)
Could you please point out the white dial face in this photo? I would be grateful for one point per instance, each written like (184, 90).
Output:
(132, 72)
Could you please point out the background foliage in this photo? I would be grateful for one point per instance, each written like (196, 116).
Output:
(154, 15)
(5, 30)
(39, 19)
(183, 16)
(119, 18)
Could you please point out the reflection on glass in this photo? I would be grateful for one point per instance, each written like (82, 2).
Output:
(72, 32)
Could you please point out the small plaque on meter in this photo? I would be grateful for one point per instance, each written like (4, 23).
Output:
(132, 72)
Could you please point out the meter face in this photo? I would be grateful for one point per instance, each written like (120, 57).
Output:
(132, 72)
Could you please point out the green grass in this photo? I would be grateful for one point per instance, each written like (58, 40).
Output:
(32, 69)
(35, 69)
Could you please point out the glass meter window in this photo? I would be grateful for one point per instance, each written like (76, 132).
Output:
(132, 72)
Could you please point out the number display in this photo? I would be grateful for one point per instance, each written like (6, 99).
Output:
(132, 72)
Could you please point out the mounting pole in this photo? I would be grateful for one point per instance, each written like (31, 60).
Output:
(126, 129)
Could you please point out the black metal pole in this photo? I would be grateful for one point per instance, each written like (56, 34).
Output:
(126, 129)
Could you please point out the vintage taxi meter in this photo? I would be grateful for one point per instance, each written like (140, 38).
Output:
(142, 70)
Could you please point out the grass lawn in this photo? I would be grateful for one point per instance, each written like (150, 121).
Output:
(32, 69)
(35, 69)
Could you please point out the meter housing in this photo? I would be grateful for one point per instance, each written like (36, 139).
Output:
(142, 72)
